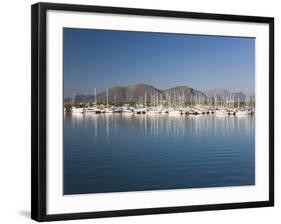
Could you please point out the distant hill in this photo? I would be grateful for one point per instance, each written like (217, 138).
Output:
(183, 94)
(130, 94)
(219, 93)
(136, 94)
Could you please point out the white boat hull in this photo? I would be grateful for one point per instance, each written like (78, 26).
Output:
(221, 113)
(243, 113)
(176, 112)
(77, 110)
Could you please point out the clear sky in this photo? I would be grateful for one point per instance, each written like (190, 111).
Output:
(102, 59)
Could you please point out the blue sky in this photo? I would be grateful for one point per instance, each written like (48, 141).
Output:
(102, 59)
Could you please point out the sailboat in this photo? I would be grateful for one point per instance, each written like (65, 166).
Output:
(242, 112)
(175, 112)
(75, 109)
(155, 109)
(221, 112)
(93, 109)
(108, 109)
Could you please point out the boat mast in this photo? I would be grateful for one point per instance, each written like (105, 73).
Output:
(247, 100)
(95, 96)
(238, 104)
(174, 103)
(85, 101)
(215, 100)
(73, 97)
(157, 99)
(183, 98)
(145, 100)
(106, 97)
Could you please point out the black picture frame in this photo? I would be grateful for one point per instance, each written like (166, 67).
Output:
(39, 123)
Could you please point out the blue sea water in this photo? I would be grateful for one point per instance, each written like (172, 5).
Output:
(120, 153)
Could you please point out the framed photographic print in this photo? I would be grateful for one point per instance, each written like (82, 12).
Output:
(139, 111)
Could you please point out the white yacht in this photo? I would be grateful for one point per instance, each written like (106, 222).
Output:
(164, 111)
(126, 111)
(77, 109)
(93, 110)
(108, 110)
(221, 112)
(175, 112)
(154, 111)
(231, 112)
(243, 112)
(118, 110)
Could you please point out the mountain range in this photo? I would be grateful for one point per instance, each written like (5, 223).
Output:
(138, 93)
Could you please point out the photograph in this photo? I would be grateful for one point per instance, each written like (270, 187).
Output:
(153, 111)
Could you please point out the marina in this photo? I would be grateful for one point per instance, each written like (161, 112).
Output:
(199, 105)
(158, 142)
(202, 110)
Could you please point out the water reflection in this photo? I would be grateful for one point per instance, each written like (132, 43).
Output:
(176, 126)
(118, 152)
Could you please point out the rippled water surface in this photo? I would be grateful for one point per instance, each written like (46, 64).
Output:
(118, 152)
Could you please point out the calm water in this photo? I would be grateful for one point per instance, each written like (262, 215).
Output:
(117, 153)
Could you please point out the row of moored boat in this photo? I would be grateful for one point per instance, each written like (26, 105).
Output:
(220, 111)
